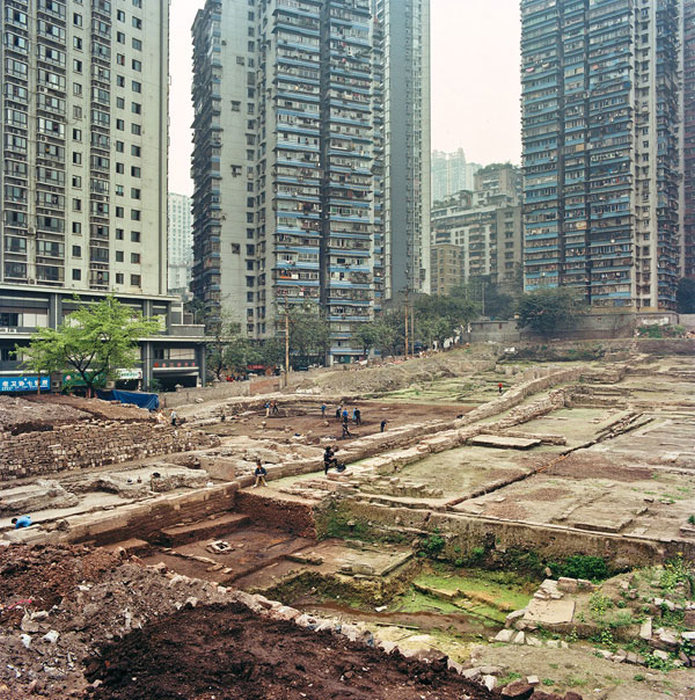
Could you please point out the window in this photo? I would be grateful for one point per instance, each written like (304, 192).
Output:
(119, 234)
(77, 89)
(136, 86)
(77, 19)
(135, 280)
(119, 190)
(135, 150)
(120, 37)
(77, 204)
(77, 158)
(119, 256)
(76, 227)
(76, 112)
(135, 129)
(136, 108)
(120, 103)
(135, 258)
(119, 278)
(137, 44)
(76, 181)
(120, 124)
(135, 236)
(76, 275)
(77, 65)
(120, 81)
(77, 43)
(236, 106)
(137, 23)
(134, 171)
(135, 193)
(119, 212)
(137, 3)
(120, 59)
(136, 65)
(120, 146)
(77, 134)
(77, 251)
(135, 215)
(120, 15)
(120, 168)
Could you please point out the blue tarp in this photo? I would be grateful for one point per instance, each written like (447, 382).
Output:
(139, 398)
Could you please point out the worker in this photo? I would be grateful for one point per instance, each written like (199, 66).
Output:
(173, 418)
(499, 387)
(260, 473)
(329, 459)
(21, 521)
(383, 424)
(323, 410)
(346, 429)
(357, 415)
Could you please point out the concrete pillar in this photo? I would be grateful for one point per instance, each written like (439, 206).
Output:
(147, 364)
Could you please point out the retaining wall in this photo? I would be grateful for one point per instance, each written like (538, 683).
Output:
(94, 444)
(294, 516)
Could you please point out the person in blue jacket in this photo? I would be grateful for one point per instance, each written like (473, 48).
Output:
(21, 521)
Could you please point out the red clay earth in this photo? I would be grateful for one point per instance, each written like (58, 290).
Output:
(226, 652)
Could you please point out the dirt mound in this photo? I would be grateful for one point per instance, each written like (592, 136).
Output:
(226, 652)
(94, 408)
(16, 411)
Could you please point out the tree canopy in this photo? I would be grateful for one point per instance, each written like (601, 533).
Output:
(547, 310)
(94, 341)
(685, 296)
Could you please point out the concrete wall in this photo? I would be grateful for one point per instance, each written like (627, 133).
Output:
(220, 391)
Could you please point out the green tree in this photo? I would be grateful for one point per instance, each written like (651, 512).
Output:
(685, 296)
(367, 336)
(309, 334)
(228, 349)
(94, 341)
(440, 317)
(549, 310)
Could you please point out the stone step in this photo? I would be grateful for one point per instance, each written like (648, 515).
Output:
(205, 529)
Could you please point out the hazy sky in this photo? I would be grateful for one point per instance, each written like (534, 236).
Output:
(475, 82)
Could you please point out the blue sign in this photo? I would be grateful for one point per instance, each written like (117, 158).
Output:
(23, 383)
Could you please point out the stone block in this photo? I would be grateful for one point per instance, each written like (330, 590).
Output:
(517, 690)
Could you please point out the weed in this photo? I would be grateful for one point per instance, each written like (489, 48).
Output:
(581, 566)
(510, 677)
(432, 546)
(548, 681)
(638, 677)
(599, 604)
(658, 663)
(691, 520)
(673, 573)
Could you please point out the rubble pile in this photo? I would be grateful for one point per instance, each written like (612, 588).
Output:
(70, 611)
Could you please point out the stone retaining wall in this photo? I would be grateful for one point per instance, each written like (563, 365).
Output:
(294, 516)
(94, 444)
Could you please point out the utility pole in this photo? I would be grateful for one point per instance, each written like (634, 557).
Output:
(287, 345)
(405, 312)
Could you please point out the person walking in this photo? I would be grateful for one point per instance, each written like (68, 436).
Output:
(338, 412)
(275, 410)
(329, 459)
(260, 473)
(267, 409)
(323, 410)
(173, 418)
(358, 416)
(499, 387)
(383, 424)
(346, 430)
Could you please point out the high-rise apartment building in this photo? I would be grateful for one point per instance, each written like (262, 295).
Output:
(405, 95)
(83, 163)
(601, 117)
(451, 173)
(290, 164)
(180, 244)
(478, 234)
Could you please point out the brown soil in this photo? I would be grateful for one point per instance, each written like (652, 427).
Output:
(312, 426)
(594, 466)
(506, 510)
(548, 493)
(226, 652)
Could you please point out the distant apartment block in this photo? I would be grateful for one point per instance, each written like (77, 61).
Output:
(688, 73)
(601, 104)
(478, 234)
(180, 243)
(451, 173)
(291, 164)
(83, 164)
